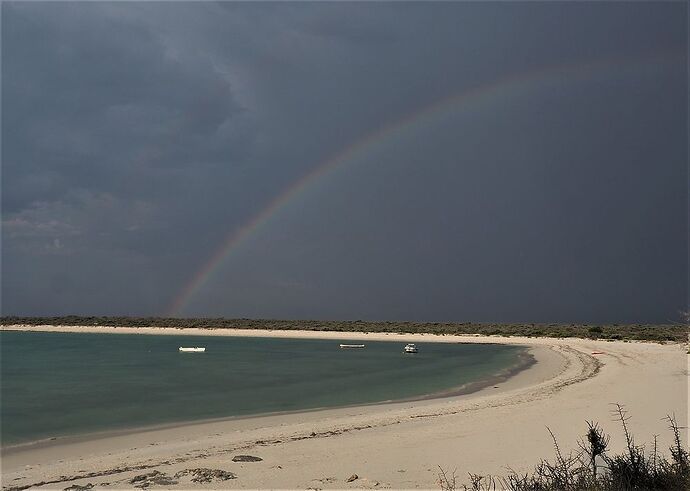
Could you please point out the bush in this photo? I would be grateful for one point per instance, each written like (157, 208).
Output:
(595, 332)
(660, 333)
(593, 469)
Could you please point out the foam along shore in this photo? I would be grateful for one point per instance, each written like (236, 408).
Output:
(398, 445)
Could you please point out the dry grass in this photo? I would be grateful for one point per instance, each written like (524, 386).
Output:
(592, 468)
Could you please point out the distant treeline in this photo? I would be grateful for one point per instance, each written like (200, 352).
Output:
(642, 332)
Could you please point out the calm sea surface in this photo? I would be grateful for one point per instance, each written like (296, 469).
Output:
(57, 384)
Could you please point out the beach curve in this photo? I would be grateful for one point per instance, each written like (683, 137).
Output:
(318, 448)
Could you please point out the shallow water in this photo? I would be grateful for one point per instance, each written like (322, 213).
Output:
(58, 384)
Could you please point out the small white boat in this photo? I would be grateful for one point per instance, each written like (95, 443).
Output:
(352, 346)
(410, 348)
(192, 350)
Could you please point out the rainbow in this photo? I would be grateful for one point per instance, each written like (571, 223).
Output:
(494, 92)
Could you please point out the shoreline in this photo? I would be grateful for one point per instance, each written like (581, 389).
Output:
(398, 444)
(525, 361)
(266, 333)
(460, 391)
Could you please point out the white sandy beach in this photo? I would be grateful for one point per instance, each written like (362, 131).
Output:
(397, 445)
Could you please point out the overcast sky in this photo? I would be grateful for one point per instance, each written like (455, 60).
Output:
(534, 166)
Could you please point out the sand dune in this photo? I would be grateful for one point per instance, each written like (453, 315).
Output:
(396, 445)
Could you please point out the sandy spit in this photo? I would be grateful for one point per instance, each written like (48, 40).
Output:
(397, 445)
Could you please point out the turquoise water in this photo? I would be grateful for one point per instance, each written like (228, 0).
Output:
(57, 384)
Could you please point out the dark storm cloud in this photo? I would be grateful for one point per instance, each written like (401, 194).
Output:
(136, 136)
(107, 139)
(98, 103)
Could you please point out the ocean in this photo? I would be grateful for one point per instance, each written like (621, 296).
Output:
(64, 384)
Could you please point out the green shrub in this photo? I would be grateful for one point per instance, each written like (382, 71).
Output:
(658, 333)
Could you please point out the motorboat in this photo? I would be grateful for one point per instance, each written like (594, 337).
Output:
(410, 348)
(192, 350)
(352, 346)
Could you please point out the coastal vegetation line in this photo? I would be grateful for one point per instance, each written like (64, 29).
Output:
(626, 332)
